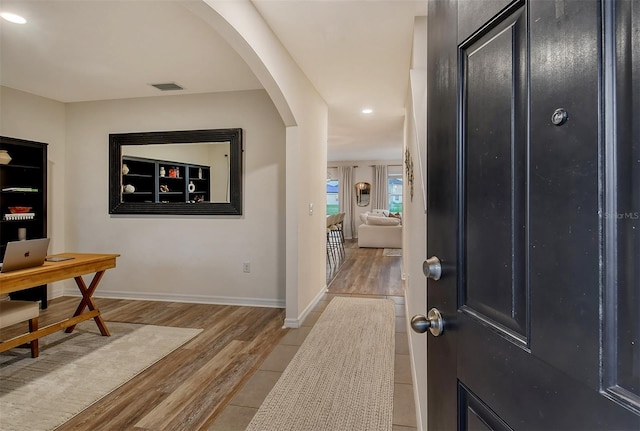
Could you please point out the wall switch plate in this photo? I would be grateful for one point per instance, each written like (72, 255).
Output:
(311, 209)
(246, 266)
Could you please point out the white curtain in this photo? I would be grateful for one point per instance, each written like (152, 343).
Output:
(380, 188)
(345, 199)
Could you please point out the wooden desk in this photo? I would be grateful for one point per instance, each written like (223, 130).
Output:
(81, 264)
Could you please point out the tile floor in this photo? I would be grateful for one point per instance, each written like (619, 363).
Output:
(240, 410)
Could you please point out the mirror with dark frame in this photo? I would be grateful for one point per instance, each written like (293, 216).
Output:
(191, 172)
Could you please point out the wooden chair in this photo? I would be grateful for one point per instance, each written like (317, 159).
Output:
(334, 226)
(340, 226)
(331, 256)
(12, 312)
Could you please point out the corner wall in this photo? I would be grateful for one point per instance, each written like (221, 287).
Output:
(305, 115)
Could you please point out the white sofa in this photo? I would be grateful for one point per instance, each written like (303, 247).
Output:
(379, 231)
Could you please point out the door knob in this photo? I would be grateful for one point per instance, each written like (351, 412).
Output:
(433, 322)
(432, 268)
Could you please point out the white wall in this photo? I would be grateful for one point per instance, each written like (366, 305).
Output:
(182, 258)
(304, 113)
(34, 118)
(414, 217)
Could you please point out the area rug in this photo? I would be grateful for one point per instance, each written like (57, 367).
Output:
(75, 370)
(392, 252)
(341, 378)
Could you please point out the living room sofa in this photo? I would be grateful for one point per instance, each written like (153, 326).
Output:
(379, 231)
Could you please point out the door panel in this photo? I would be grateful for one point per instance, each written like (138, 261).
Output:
(537, 224)
(493, 168)
(527, 393)
(474, 14)
(622, 210)
(476, 415)
(564, 222)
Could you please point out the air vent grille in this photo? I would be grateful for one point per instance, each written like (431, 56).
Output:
(169, 86)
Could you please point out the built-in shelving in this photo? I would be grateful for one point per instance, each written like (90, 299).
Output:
(164, 181)
(23, 183)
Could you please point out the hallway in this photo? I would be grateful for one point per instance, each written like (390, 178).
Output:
(365, 272)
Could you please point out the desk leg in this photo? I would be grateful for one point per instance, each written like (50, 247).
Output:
(87, 301)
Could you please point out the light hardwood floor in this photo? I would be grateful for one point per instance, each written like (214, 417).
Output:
(366, 271)
(241, 353)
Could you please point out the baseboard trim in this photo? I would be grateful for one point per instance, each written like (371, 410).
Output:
(292, 322)
(414, 378)
(192, 299)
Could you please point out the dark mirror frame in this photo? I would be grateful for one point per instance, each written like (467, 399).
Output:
(233, 207)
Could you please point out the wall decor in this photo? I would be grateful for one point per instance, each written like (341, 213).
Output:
(363, 194)
(408, 162)
(152, 156)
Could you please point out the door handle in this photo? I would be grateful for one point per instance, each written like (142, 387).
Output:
(433, 322)
(432, 268)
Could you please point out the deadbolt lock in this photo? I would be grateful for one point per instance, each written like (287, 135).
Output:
(432, 268)
(559, 117)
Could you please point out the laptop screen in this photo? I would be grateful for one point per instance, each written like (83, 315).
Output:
(24, 254)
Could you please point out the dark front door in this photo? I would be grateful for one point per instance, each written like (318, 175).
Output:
(533, 183)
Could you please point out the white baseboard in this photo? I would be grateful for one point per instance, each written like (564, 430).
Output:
(192, 299)
(292, 322)
(414, 377)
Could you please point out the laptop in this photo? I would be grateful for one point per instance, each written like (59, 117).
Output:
(24, 254)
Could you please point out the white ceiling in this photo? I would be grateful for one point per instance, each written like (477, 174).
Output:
(356, 54)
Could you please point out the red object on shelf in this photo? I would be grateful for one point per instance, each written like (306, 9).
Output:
(19, 210)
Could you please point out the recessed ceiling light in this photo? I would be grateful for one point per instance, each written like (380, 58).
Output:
(367, 111)
(12, 17)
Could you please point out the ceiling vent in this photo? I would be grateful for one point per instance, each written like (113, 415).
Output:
(170, 86)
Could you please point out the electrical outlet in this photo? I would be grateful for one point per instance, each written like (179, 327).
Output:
(246, 267)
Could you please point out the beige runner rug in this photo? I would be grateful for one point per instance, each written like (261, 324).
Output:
(341, 378)
(75, 370)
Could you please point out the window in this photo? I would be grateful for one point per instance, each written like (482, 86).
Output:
(333, 206)
(395, 193)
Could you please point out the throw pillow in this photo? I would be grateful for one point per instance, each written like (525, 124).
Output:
(381, 212)
(382, 221)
